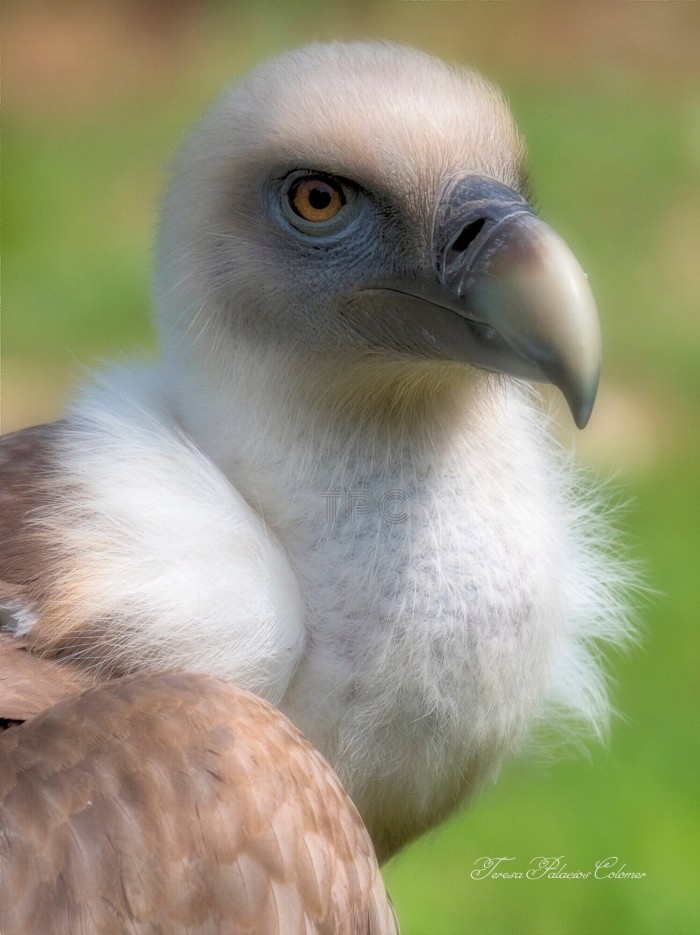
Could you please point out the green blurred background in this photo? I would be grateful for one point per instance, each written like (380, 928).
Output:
(96, 97)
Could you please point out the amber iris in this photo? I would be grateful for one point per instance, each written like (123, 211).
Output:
(316, 199)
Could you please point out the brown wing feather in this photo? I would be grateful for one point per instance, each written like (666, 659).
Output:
(29, 684)
(42, 582)
(25, 463)
(176, 802)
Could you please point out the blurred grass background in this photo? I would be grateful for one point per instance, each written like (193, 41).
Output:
(96, 97)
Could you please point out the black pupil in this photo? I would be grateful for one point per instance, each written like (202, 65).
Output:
(319, 198)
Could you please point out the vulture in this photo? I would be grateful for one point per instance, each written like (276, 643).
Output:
(335, 489)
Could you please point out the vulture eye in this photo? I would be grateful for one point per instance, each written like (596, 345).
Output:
(317, 204)
(316, 199)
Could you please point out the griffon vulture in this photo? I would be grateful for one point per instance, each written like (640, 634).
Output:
(336, 488)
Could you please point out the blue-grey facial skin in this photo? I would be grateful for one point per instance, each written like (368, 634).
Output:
(478, 295)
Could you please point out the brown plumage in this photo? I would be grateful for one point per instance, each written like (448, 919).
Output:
(25, 463)
(30, 684)
(34, 585)
(178, 803)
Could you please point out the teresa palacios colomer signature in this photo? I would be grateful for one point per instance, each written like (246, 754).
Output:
(550, 868)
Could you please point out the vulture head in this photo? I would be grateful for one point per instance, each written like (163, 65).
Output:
(360, 212)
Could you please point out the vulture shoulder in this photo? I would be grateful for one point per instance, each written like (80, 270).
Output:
(116, 533)
(29, 684)
(178, 802)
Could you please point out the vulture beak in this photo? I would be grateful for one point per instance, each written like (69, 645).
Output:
(525, 302)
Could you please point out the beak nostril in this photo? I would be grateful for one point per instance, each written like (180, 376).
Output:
(467, 236)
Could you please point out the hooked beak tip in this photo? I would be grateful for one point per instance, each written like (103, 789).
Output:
(537, 296)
